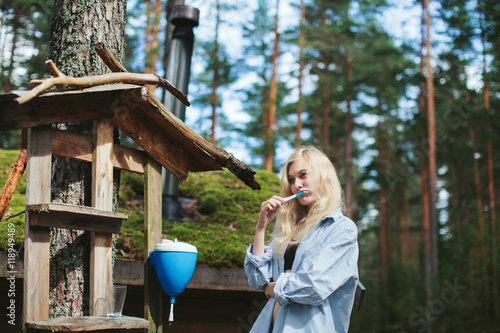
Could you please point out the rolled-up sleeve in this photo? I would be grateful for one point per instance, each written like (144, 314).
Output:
(259, 268)
(322, 271)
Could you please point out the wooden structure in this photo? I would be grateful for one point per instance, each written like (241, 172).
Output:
(166, 141)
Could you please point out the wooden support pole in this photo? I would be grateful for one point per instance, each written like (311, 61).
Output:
(152, 236)
(12, 181)
(102, 198)
(37, 240)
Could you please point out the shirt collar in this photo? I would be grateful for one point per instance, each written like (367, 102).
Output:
(335, 215)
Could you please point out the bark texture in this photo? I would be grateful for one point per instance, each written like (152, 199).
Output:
(76, 27)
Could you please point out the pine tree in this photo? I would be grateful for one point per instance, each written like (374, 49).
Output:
(219, 70)
(74, 54)
(260, 32)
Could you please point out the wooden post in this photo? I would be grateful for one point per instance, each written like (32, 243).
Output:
(102, 198)
(37, 240)
(12, 181)
(152, 236)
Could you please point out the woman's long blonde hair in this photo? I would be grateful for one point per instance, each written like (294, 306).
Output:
(294, 220)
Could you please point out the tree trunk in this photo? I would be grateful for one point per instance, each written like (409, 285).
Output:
(431, 128)
(15, 35)
(491, 182)
(337, 144)
(406, 241)
(152, 30)
(384, 234)
(348, 138)
(268, 158)
(75, 28)
(215, 80)
(169, 29)
(424, 179)
(325, 94)
(480, 216)
(300, 102)
(383, 207)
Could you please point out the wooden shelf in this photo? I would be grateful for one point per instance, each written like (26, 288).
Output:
(75, 217)
(87, 324)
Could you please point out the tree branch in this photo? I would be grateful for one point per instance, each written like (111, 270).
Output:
(89, 81)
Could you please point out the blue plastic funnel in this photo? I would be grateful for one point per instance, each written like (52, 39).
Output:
(174, 263)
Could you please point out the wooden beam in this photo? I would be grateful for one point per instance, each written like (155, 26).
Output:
(79, 146)
(147, 135)
(152, 235)
(87, 324)
(75, 217)
(37, 240)
(101, 279)
(61, 106)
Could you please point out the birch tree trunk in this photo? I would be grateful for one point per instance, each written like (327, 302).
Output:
(76, 26)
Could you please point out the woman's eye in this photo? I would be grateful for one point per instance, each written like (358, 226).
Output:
(291, 180)
(303, 175)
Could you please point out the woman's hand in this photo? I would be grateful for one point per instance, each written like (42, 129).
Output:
(268, 211)
(269, 289)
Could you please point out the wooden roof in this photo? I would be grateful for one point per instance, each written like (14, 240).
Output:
(137, 113)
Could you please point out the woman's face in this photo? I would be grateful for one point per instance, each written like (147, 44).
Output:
(300, 178)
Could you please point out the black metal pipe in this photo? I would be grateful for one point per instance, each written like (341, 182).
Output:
(184, 18)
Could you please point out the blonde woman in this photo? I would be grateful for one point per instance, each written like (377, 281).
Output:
(309, 271)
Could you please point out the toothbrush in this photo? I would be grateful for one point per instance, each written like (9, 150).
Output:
(292, 197)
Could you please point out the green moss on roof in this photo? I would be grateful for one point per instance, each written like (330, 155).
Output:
(222, 215)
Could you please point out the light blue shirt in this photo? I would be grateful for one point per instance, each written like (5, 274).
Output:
(318, 295)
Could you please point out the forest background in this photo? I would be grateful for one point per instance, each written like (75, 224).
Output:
(401, 95)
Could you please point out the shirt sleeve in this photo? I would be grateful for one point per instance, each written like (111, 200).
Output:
(259, 268)
(322, 270)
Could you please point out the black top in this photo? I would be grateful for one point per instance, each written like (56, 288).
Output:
(290, 256)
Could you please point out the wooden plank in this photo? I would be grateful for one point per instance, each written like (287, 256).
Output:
(153, 293)
(87, 324)
(72, 145)
(102, 198)
(145, 132)
(37, 240)
(80, 147)
(76, 217)
(128, 159)
(77, 210)
(63, 106)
